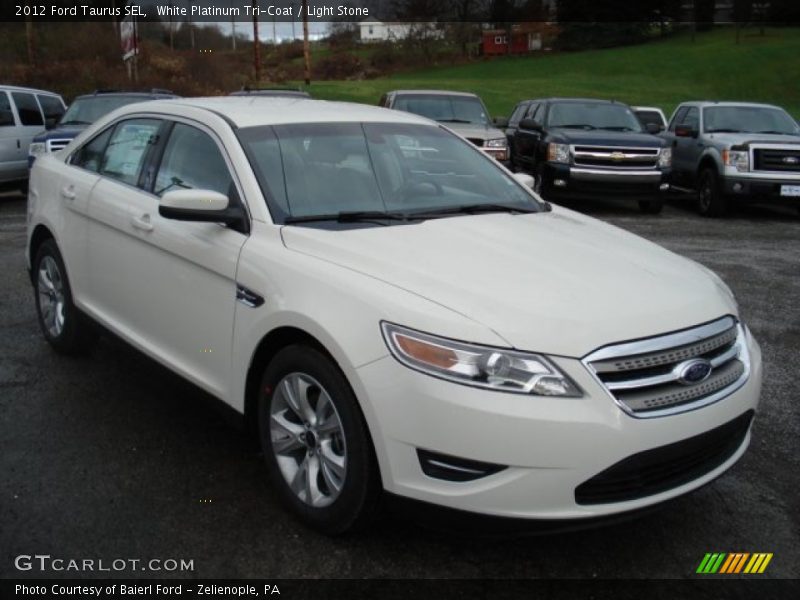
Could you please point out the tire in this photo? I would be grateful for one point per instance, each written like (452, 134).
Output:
(651, 207)
(710, 200)
(65, 328)
(326, 475)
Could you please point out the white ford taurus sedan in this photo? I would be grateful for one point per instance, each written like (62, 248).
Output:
(392, 310)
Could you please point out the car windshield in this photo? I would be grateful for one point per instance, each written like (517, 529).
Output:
(748, 119)
(397, 170)
(593, 115)
(443, 108)
(84, 111)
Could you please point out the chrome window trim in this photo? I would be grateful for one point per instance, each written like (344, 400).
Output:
(666, 342)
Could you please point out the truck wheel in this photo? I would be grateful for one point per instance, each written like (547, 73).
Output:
(651, 207)
(316, 445)
(64, 327)
(710, 199)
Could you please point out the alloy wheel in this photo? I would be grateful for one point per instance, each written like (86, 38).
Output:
(50, 287)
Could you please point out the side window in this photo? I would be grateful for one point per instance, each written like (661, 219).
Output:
(192, 160)
(516, 116)
(52, 108)
(533, 111)
(6, 114)
(382, 101)
(692, 118)
(27, 109)
(678, 118)
(127, 149)
(90, 155)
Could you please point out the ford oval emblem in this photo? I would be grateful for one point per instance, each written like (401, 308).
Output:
(693, 371)
(791, 160)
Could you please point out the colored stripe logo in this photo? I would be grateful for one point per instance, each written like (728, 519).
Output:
(734, 562)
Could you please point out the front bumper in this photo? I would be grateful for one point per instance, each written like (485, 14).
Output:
(561, 181)
(761, 189)
(549, 445)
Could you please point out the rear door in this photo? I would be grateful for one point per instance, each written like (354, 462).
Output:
(686, 150)
(31, 123)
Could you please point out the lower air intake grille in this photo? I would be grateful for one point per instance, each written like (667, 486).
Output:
(661, 469)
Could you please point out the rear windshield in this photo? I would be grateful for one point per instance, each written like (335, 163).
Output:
(328, 168)
(647, 117)
(85, 111)
(446, 109)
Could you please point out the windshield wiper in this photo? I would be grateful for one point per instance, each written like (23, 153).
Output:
(349, 217)
(778, 132)
(617, 128)
(454, 121)
(576, 126)
(724, 130)
(74, 123)
(473, 209)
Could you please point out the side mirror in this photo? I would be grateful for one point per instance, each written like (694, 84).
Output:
(685, 132)
(524, 179)
(205, 206)
(50, 122)
(653, 128)
(531, 125)
(501, 122)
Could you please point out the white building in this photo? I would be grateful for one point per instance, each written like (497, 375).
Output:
(373, 30)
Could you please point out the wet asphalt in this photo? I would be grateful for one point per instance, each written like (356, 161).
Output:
(112, 456)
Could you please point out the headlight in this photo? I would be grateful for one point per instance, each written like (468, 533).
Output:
(665, 158)
(496, 143)
(558, 153)
(736, 158)
(37, 148)
(478, 366)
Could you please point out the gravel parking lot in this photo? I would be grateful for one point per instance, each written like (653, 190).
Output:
(113, 457)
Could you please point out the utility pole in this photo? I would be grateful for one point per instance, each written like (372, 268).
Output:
(29, 40)
(306, 50)
(256, 56)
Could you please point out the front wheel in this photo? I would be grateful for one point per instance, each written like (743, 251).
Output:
(651, 207)
(316, 445)
(710, 199)
(64, 327)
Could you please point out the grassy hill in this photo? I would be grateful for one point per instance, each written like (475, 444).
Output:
(661, 73)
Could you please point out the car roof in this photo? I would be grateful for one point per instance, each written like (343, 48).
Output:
(653, 108)
(272, 92)
(143, 95)
(253, 111)
(707, 103)
(16, 88)
(433, 93)
(582, 100)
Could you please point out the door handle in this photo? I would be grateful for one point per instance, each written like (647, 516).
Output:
(142, 222)
(68, 192)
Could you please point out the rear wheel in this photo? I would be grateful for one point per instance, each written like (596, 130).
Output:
(710, 200)
(316, 445)
(64, 327)
(651, 207)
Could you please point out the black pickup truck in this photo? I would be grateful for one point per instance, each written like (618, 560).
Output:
(580, 149)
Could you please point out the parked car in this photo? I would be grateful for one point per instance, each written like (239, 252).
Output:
(462, 112)
(272, 92)
(582, 149)
(84, 111)
(732, 152)
(392, 311)
(650, 114)
(23, 114)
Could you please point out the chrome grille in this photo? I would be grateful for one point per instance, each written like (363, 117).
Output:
(615, 157)
(647, 377)
(773, 159)
(55, 145)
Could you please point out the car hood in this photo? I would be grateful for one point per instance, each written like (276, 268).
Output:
(607, 138)
(473, 130)
(736, 139)
(60, 133)
(556, 282)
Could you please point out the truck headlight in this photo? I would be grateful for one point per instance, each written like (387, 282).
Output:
(558, 153)
(478, 366)
(498, 143)
(736, 158)
(37, 148)
(665, 158)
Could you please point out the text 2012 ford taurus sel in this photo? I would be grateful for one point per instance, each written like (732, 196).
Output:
(393, 309)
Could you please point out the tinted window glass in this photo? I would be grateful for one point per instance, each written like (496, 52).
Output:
(678, 117)
(649, 116)
(447, 109)
(691, 118)
(127, 149)
(51, 106)
(86, 110)
(748, 119)
(516, 116)
(533, 112)
(192, 160)
(6, 116)
(90, 156)
(27, 109)
(593, 115)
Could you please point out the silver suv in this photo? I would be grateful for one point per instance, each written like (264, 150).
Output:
(734, 152)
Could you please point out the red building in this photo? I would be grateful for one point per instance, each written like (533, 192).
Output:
(495, 42)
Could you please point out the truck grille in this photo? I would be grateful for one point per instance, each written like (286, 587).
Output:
(675, 372)
(57, 144)
(765, 159)
(666, 467)
(619, 158)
